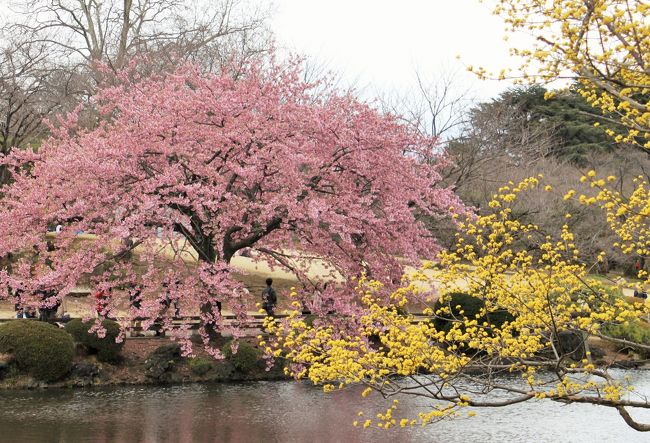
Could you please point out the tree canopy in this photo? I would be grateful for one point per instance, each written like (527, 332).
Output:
(565, 116)
(206, 165)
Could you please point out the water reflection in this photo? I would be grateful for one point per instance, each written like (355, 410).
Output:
(279, 412)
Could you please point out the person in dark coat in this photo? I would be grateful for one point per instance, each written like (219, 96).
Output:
(269, 298)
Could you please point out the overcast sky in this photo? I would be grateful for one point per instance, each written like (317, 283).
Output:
(379, 44)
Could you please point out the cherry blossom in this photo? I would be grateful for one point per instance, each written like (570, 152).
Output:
(191, 164)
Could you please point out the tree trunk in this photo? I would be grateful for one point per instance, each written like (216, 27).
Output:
(209, 256)
(5, 175)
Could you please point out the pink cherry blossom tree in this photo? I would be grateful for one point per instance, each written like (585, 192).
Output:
(190, 163)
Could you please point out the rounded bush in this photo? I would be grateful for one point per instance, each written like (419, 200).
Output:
(449, 311)
(498, 318)
(40, 349)
(245, 359)
(106, 348)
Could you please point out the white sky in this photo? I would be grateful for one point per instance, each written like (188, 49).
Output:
(379, 44)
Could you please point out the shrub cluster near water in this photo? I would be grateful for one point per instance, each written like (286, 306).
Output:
(245, 359)
(107, 349)
(201, 366)
(40, 349)
(634, 332)
(458, 306)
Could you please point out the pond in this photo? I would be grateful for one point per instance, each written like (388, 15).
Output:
(283, 412)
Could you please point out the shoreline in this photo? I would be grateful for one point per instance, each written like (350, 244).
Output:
(158, 362)
(223, 373)
(144, 362)
(26, 383)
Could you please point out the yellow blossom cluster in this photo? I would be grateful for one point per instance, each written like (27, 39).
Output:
(628, 216)
(545, 291)
(603, 44)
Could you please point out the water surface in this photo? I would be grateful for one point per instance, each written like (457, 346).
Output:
(283, 412)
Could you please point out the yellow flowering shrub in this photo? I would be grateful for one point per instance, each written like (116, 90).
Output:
(552, 303)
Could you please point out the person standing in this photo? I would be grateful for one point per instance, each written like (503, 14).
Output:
(269, 298)
(168, 286)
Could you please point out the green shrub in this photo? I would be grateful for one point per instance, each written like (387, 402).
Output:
(106, 348)
(201, 366)
(449, 310)
(498, 318)
(636, 332)
(40, 349)
(247, 357)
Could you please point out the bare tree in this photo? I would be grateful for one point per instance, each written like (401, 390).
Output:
(496, 137)
(438, 106)
(31, 89)
(111, 31)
